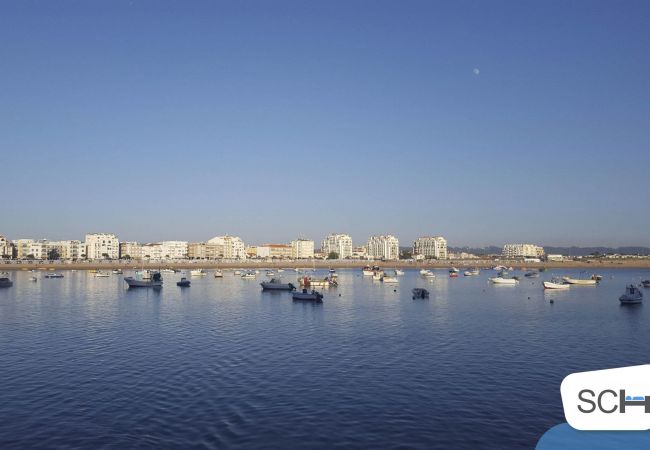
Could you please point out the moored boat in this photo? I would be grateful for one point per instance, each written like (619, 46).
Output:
(218, 274)
(5, 282)
(312, 296)
(53, 275)
(501, 280)
(248, 275)
(367, 270)
(197, 272)
(632, 296)
(390, 280)
(183, 283)
(556, 283)
(420, 293)
(277, 285)
(645, 283)
(580, 281)
(472, 272)
(155, 281)
(531, 274)
(117, 271)
(427, 273)
(399, 272)
(100, 274)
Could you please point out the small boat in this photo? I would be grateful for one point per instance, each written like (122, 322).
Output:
(472, 273)
(218, 274)
(399, 272)
(237, 272)
(501, 280)
(580, 281)
(280, 270)
(453, 275)
(168, 271)
(556, 283)
(645, 283)
(632, 296)
(248, 275)
(314, 282)
(277, 285)
(34, 279)
(531, 274)
(312, 296)
(420, 293)
(197, 272)
(378, 275)
(453, 270)
(596, 277)
(117, 271)
(390, 280)
(269, 273)
(53, 275)
(100, 274)
(499, 268)
(427, 273)
(367, 270)
(155, 281)
(5, 282)
(183, 283)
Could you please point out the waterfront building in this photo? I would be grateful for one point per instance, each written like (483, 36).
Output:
(102, 246)
(276, 251)
(70, 250)
(21, 247)
(341, 244)
(302, 248)
(557, 258)
(251, 251)
(6, 248)
(153, 251)
(430, 247)
(383, 247)
(360, 252)
(130, 250)
(229, 247)
(522, 251)
(196, 250)
(174, 249)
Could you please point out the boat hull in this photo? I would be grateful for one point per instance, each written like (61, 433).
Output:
(630, 300)
(277, 286)
(133, 283)
(551, 285)
(6, 283)
(580, 282)
(506, 281)
(302, 297)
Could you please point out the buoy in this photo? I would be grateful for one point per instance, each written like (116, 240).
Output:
(394, 290)
(528, 298)
(339, 295)
(552, 301)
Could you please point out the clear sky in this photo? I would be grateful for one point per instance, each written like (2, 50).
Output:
(484, 121)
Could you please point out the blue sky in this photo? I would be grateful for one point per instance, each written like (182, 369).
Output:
(184, 120)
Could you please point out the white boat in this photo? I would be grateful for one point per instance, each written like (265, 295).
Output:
(399, 272)
(390, 280)
(53, 275)
(453, 270)
(312, 282)
(197, 272)
(500, 280)
(269, 273)
(378, 275)
(645, 283)
(218, 274)
(472, 272)
(556, 284)
(367, 270)
(154, 280)
(237, 272)
(117, 271)
(249, 275)
(280, 270)
(312, 296)
(632, 296)
(427, 273)
(34, 279)
(580, 281)
(143, 274)
(100, 274)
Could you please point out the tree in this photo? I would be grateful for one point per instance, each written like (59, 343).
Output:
(333, 255)
(53, 254)
(406, 255)
(30, 256)
(126, 257)
(105, 256)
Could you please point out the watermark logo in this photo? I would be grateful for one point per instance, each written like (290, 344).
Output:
(612, 399)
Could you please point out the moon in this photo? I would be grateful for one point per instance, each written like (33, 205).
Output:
(476, 71)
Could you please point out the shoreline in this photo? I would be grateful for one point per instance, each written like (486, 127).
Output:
(324, 264)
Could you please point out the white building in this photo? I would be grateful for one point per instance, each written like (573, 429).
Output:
(522, 251)
(22, 247)
(130, 250)
(153, 251)
(341, 244)
(555, 258)
(69, 250)
(174, 249)
(430, 247)
(302, 248)
(383, 247)
(6, 249)
(231, 247)
(102, 246)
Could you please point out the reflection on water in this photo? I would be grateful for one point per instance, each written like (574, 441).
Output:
(89, 363)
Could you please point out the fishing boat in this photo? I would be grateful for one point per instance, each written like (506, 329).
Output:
(53, 275)
(314, 282)
(596, 277)
(277, 285)
(100, 274)
(453, 270)
(427, 273)
(378, 275)
(218, 274)
(531, 274)
(645, 283)
(501, 280)
(390, 280)
(155, 281)
(249, 275)
(580, 281)
(117, 271)
(632, 296)
(472, 273)
(144, 274)
(556, 283)
(197, 272)
(453, 275)
(420, 293)
(5, 282)
(367, 270)
(312, 296)
(183, 283)
(399, 272)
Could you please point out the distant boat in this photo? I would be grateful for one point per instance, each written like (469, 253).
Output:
(472, 272)
(237, 272)
(632, 296)
(197, 272)
(399, 272)
(420, 293)
(100, 274)
(155, 281)
(277, 285)
(453, 270)
(117, 271)
(183, 283)
(556, 283)
(580, 282)
(5, 282)
(378, 275)
(390, 280)
(269, 273)
(500, 280)
(596, 277)
(453, 275)
(312, 296)
(645, 283)
(314, 282)
(531, 274)
(249, 275)
(53, 275)
(34, 279)
(218, 274)
(427, 273)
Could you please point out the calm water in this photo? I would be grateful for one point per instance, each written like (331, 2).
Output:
(88, 363)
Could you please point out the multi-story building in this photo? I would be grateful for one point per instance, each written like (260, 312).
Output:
(102, 246)
(229, 247)
(152, 251)
(174, 249)
(196, 250)
(383, 247)
(302, 248)
(277, 251)
(430, 247)
(522, 251)
(6, 248)
(71, 250)
(22, 247)
(341, 244)
(360, 252)
(130, 250)
(38, 249)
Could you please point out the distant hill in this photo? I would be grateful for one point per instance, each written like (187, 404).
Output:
(568, 251)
